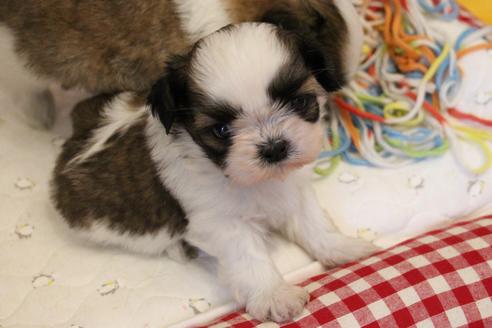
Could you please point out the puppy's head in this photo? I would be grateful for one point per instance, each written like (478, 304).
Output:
(249, 97)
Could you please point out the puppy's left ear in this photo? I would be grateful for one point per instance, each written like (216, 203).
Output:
(168, 94)
(319, 55)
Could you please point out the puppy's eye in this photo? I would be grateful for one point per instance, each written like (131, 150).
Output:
(221, 131)
(300, 102)
(303, 103)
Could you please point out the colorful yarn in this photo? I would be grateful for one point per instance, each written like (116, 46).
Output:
(401, 106)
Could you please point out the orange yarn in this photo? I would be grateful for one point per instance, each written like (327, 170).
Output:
(406, 57)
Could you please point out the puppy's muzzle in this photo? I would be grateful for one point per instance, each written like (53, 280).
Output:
(274, 150)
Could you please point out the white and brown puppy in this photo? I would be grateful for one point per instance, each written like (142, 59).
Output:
(113, 45)
(216, 166)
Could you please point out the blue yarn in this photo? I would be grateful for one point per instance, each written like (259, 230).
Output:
(344, 146)
(421, 134)
(354, 160)
(462, 37)
(440, 9)
(415, 75)
(374, 109)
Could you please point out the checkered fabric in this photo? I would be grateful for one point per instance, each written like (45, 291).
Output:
(440, 279)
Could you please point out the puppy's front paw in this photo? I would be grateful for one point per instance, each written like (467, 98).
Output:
(280, 304)
(339, 249)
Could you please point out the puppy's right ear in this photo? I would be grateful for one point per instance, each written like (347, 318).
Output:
(168, 93)
(317, 39)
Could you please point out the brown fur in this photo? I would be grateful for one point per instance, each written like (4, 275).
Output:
(103, 45)
(245, 11)
(119, 185)
(115, 45)
(251, 10)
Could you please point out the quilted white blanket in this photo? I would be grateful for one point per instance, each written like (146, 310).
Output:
(50, 279)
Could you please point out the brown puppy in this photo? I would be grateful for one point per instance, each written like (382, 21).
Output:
(114, 45)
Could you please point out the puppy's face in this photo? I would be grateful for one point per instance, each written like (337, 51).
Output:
(248, 98)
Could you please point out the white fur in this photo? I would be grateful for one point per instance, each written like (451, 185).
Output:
(353, 50)
(28, 91)
(231, 221)
(201, 18)
(252, 54)
(150, 244)
(117, 117)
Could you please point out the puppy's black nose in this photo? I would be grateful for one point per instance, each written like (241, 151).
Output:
(274, 150)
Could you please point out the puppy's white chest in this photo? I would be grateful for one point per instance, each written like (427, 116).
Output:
(209, 198)
(257, 219)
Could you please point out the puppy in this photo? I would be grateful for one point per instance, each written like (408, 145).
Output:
(113, 45)
(212, 158)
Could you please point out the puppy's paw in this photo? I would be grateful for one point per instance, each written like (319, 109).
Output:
(280, 304)
(339, 249)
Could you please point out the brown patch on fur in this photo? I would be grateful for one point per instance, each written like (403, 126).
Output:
(119, 184)
(254, 10)
(311, 86)
(248, 10)
(200, 127)
(202, 121)
(87, 114)
(138, 99)
(104, 46)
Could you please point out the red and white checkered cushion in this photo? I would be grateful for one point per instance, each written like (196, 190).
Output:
(441, 279)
